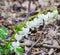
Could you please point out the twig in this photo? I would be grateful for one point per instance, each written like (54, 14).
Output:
(28, 9)
(42, 45)
(35, 53)
(34, 45)
(48, 46)
(51, 46)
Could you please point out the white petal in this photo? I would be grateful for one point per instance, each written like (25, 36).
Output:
(46, 18)
(50, 15)
(31, 23)
(40, 16)
(25, 30)
(15, 44)
(20, 33)
(40, 21)
(35, 22)
(18, 37)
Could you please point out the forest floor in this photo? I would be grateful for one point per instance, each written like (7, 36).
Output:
(44, 40)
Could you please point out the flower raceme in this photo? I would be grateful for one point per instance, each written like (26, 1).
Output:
(34, 23)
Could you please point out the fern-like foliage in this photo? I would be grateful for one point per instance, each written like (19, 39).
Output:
(3, 32)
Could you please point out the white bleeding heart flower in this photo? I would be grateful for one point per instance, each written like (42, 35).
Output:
(40, 16)
(46, 18)
(25, 30)
(35, 22)
(40, 20)
(50, 15)
(15, 44)
(43, 16)
(18, 37)
(20, 33)
(31, 24)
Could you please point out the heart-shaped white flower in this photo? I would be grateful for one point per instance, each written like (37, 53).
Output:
(36, 22)
(25, 30)
(18, 37)
(15, 44)
(40, 16)
(31, 24)
(50, 15)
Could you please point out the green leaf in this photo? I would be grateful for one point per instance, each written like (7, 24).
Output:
(19, 50)
(1, 48)
(11, 49)
(9, 46)
(56, 13)
(17, 27)
(3, 32)
(5, 52)
(2, 36)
